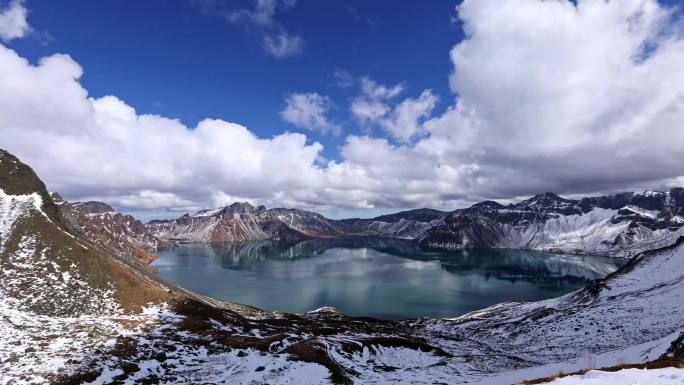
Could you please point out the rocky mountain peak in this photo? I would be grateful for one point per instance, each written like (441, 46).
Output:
(241, 208)
(50, 268)
(16, 178)
(603, 225)
(649, 200)
(548, 198)
(488, 204)
(234, 208)
(420, 215)
(549, 202)
(92, 207)
(56, 198)
(101, 224)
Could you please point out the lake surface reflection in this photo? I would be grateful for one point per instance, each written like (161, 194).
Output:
(376, 277)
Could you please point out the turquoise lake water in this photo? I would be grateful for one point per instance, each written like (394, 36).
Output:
(375, 277)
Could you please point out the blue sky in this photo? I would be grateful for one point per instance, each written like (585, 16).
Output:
(185, 60)
(165, 107)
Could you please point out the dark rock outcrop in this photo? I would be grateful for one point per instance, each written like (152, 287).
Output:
(16, 178)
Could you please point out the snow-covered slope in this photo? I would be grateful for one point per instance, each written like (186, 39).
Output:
(662, 376)
(631, 316)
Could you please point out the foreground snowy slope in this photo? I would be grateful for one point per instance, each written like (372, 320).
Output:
(665, 376)
(631, 316)
(72, 311)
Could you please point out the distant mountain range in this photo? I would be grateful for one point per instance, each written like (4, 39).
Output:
(619, 225)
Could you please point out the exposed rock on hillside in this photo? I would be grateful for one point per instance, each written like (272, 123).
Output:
(100, 224)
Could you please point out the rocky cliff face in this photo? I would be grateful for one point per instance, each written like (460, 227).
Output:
(100, 224)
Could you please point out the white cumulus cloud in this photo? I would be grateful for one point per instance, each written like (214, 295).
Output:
(377, 105)
(550, 96)
(13, 23)
(101, 148)
(261, 14)
(565, 97)
(309, 110)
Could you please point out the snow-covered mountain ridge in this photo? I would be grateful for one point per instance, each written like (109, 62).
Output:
(618, 225)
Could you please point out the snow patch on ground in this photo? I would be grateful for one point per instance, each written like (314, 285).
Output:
(189, 359)
(36, 347)
(13, 207)
(33, 279)
(664, 376)
(631, 318)
(642, 212)
(636, 354)
(392, 365)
